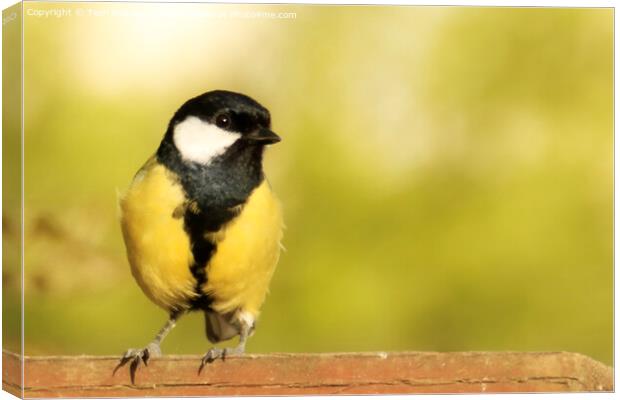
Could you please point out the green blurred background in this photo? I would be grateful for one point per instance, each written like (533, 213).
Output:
(446, 172)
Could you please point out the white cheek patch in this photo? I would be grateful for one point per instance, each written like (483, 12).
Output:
(200, 141)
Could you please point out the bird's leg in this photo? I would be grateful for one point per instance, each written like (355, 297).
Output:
(151, 350)
(213, 354)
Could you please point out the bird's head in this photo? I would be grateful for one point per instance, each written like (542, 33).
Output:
(206, 126)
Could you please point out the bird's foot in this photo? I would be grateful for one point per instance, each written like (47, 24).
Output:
(134, 356)
(215, 353)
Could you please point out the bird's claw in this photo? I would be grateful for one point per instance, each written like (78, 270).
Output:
(212, 355)
(215, 353)
(134, 356)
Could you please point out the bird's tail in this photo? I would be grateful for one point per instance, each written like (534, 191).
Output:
(218, 327)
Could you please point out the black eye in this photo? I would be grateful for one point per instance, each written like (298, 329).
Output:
(223, 121)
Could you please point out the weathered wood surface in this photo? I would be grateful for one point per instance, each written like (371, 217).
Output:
(303, 374)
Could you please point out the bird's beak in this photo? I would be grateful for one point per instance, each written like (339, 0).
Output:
(263, 136)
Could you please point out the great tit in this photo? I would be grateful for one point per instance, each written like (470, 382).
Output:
(201, 225)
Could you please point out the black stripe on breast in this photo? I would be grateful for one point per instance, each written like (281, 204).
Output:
(198, 225)
(215, 195)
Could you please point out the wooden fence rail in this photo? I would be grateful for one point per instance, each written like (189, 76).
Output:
(304, 374)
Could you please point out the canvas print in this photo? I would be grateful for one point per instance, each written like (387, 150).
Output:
(281, 199)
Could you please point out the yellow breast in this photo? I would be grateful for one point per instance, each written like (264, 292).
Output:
(158, 248)
(248, 249)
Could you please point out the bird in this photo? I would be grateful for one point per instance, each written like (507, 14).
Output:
(201, 224)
